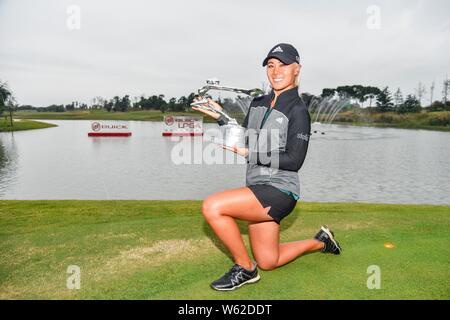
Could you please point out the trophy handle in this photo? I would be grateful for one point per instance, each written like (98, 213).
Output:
(256, 92)
(201, 104)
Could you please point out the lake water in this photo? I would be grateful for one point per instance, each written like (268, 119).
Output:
(347, 163)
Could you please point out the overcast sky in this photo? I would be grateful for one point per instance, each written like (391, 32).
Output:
(171, 47)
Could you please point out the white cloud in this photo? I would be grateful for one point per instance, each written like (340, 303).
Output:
(171, 47)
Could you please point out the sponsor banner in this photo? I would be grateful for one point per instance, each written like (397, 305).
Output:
(102, 126)
(182, 125)
(109, 128)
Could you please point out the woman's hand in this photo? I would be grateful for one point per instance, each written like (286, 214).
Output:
(240, 151)
(212, 114)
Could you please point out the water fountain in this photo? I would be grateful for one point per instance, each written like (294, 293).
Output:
(326, 109)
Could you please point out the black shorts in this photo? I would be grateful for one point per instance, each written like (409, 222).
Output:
(279, 202)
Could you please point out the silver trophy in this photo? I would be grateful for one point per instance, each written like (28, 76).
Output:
(233, 134)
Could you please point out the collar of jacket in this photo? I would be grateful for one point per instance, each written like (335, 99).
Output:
(285, 97)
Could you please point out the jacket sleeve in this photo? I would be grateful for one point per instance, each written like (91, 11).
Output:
(292, 158)
(245, 123)
(222, 120)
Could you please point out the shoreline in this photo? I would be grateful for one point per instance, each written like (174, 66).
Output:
(334, 202)
(394, 126)
(157, 116)
(24, 124)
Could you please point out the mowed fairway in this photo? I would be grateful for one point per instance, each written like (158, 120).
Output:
(22, 124)
(164, 250)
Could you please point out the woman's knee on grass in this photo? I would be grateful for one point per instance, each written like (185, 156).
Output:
(267, 264)
(210, 208)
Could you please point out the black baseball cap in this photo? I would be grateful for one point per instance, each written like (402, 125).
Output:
(284, 52)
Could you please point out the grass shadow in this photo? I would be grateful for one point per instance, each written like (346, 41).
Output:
(209, 232)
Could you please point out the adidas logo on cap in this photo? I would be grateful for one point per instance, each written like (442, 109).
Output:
(284, 52)
(277, 49)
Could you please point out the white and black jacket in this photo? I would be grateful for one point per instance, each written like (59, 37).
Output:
(277, 147)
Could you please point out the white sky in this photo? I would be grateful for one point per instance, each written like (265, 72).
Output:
(171, 47)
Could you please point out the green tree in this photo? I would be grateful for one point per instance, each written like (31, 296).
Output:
(345, 92)
(436, 106)
(411, 104)
(356, 92)
(70, 107)
(359, 93)
(55, 108)
(182, 103)
(144, 103)
(109, 105)
(172, 104)
(370, 93)
(327, 92)
(7, 101)
(124, 103)
(398, 98)
(190, 99)
(161, 104)
(116, 104)
(5, 96)
(384, 101)
(26, 107)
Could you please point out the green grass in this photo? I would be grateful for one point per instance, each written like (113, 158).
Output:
(23, 125)
(436, 120)
(164, 250)
(439, 120)
(148, 115)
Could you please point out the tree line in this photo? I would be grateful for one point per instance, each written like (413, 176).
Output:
(378, 100)
(122, 104)
(125, 103)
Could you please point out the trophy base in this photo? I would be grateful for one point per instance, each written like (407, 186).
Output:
(232, 135)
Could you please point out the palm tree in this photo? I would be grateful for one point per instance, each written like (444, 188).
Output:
(5, 93)
(6, 98)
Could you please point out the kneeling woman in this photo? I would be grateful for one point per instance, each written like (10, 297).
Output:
(278, 129)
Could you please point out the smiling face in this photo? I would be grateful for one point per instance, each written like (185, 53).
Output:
(282, 76)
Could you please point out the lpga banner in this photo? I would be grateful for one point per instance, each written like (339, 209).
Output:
(182, 126)
(109, 129)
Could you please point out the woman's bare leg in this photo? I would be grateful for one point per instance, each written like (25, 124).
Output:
(269, 253)
(292, 250)
(222, 208)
